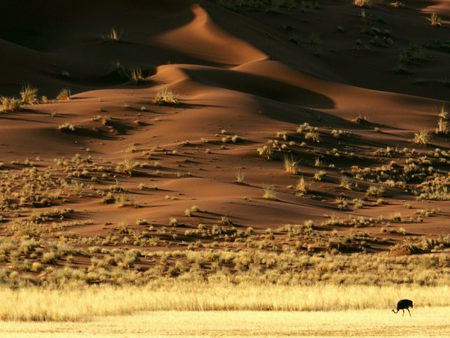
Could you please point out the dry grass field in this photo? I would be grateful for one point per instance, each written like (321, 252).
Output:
(180, 309)
(73, 304)
(426, 322)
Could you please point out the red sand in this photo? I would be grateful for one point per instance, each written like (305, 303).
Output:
(232, 71)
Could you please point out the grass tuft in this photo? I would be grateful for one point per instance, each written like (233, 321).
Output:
(435, 20)
(290, 165)
(10, 104)
(28, 95)
(422, 137)
(64, 95)
(136, 75)
(269, 192)
(166, 97)
(112, 35)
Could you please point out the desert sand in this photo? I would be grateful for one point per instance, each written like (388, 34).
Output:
(233, 72)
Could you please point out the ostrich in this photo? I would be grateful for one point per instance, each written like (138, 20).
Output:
(404, 304)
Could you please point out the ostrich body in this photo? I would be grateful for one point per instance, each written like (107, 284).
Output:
(404, 304)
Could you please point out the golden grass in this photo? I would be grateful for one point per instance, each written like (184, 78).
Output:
(269, 192)
(422, 137)
(136, 75)
(112, 35)
(374, 323)
(10, 104)
(302, 187)
(81, 304)
(362, 3)
(435, 20)
(64, 95)
(443, 114)
(290, 165)
(240, 176)
(166, 97)
(442, 128)
(28, 95)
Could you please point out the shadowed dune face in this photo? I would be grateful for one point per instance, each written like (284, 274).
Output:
(261, 86)
(268, 124)
(49, 39)
(53, 26)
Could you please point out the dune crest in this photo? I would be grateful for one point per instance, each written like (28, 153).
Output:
(203, 39)
(441, 7)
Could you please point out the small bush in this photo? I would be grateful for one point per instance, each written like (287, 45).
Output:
(112, 35)
(67, 127)
(319, 175)
(166, 97)
(422, 137)
(49, 258)
(28, 95)
(266, 151)
(362, 3)
(345, 183)
(375, 191)
(313, 136)
(64, 95)
(442, 128)
(290, 166)
(10, 104)
(435, 20)
(136, 75)
(269, 192)
(302, 187)
(240, 177)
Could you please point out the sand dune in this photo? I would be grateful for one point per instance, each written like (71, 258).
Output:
(203, 39)
(249, 74)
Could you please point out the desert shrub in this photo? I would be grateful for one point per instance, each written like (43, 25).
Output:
(10, 104)
(313, 136)
(127, 166)
(240, 176)
(290, 165)
(375, 191)
(67, 127)
(269, 192)
(64, 95)
(435, 188)
(166, 97)
(345, 183)
(422, 137)
(112, 35)
(342, 203)
(302, 187)
(266, 151)
(136, 75)
(28, 95)
(413, 55)
(362, 3)
(319, 175)
(442, 127)
(435, 20)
